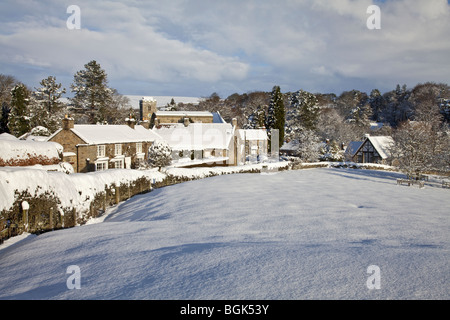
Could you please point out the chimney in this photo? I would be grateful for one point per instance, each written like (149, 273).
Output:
(186, 122)
(234, 123)
(145, 124)
(67, 123)
(130, 122)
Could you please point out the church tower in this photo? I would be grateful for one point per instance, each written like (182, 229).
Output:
(147, 107)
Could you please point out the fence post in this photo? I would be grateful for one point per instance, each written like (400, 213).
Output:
(117, 195)
(51, 218)
(25, 208)
(74, 212)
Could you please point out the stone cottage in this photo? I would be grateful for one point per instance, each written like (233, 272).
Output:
(100, 147)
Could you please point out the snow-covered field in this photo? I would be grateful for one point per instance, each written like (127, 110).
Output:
(306, 234)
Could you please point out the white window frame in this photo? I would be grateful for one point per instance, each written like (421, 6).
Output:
(101, 165)
(117, 149)
(101, 151)
(139, 147)
(118, 164)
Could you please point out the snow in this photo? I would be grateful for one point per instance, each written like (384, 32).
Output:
(7, 136)
(196, 136)
(73, 190)
(252, 134)
(382, 144)
(304, 234)
(184, 113)
(161, 101)
(11, 149)
(352, 147)
(99, 134)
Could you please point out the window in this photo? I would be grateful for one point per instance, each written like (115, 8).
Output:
(100, 151)
(118, 149)
(139, 147)
(118, 164)
(100, 166)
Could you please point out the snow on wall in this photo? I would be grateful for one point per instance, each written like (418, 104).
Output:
(21, 152)
(72, 190)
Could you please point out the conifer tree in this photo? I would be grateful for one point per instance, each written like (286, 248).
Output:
(91, 91)
(19, 118)
(7, 82)
(306, 109)
(276, 114)
(47, 109)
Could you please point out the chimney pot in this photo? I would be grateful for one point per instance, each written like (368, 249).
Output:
(67, 123)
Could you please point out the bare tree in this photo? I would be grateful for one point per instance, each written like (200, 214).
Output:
(419, 148)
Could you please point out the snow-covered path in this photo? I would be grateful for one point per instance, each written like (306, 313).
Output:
(307, 234)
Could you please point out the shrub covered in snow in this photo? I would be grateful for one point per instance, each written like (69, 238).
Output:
(160, 154)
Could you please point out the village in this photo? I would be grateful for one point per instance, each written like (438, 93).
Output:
(195, 138)
(229, 150)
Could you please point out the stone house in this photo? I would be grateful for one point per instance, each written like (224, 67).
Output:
(100, 147)
(199, 143)
(203, 144)
(148, 113)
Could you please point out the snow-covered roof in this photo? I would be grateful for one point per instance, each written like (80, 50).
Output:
(105, 134)
(290, 146)
(252, 134)
(376, 125)
(217, 118)
(196, 136)
(184, 113)
(352, 147)
(382, 145)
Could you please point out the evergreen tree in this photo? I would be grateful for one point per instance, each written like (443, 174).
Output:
(19, 118)
(4, 118)
(276, 114)
(305, 108)
(376, 102)
(92, 92)
(7, 82)
(257, 119)
(361, 115)
(48, 109)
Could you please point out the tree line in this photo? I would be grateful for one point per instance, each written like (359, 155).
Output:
(40, 110)
(417, 118)
(320, 125)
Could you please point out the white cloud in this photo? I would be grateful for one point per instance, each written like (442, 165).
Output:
(236, 45)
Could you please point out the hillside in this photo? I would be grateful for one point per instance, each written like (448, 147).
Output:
(306, 234)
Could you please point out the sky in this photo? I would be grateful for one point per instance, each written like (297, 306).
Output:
(195, 48)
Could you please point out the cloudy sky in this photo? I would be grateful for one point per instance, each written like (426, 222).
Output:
(195, 48)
